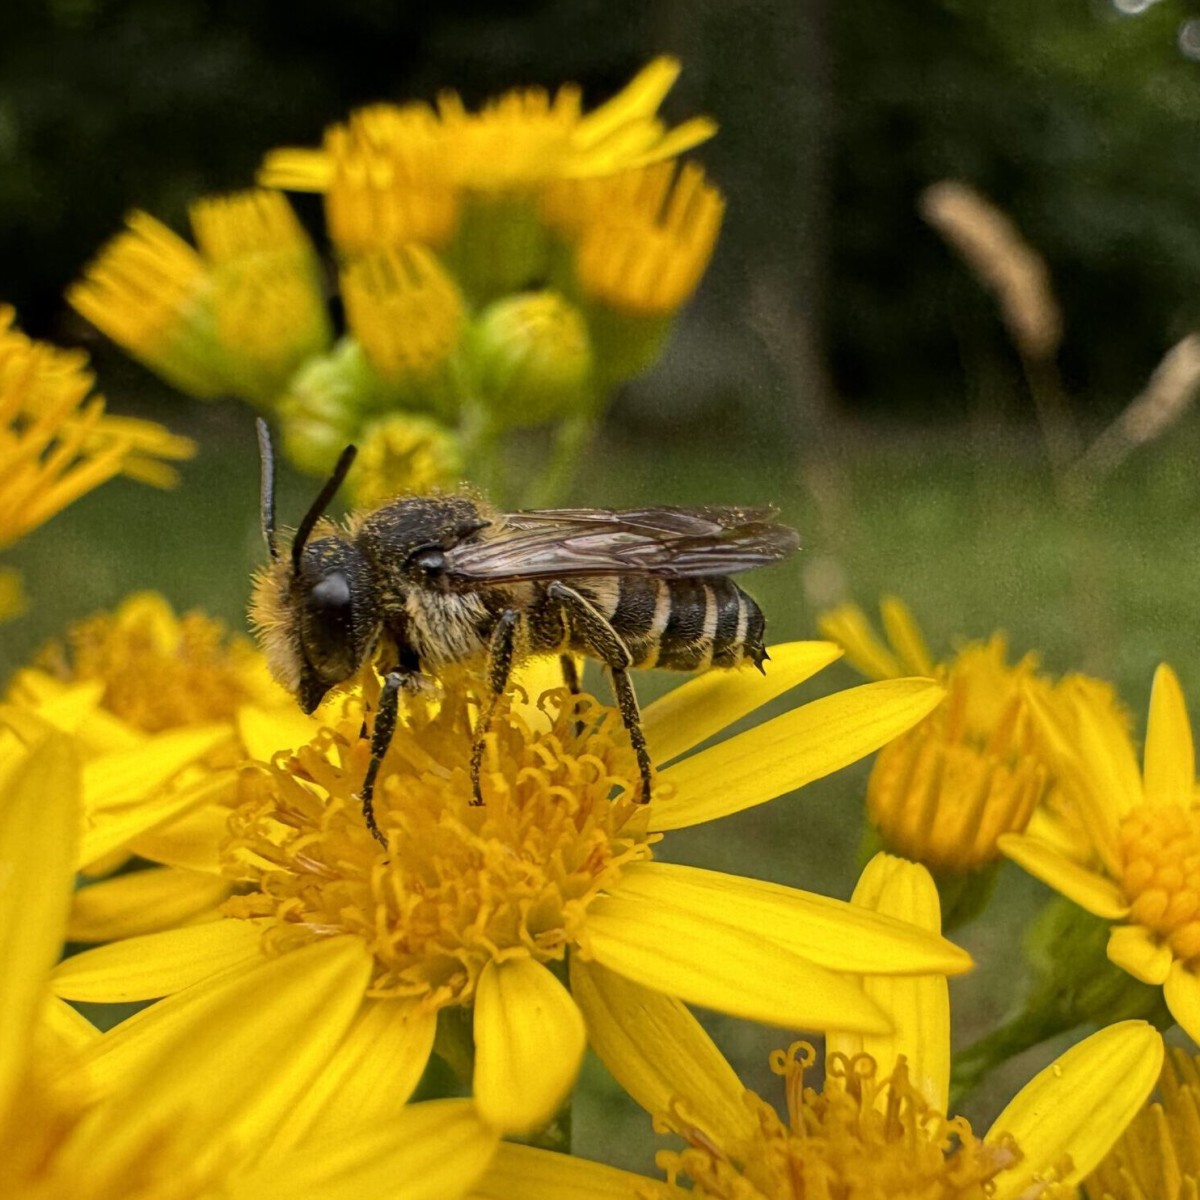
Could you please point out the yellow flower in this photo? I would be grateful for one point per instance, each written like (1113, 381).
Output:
(641, 239)
(878, 1125)
(221, 1106)
(152, 703)
(396, 174)
(408, 315)
(56, 441)
(1158, 1156)
(403, 455)
(1136, 837)
(239, 317)
(945, 792)
(483, 906)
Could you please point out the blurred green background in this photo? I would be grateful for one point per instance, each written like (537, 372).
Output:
(839, 360)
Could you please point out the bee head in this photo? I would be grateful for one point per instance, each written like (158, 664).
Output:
(311, 608)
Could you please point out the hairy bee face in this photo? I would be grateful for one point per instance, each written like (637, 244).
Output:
(317, 622)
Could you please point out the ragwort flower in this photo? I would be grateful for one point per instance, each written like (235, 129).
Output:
(235, 317)
(57, 442)
(945, 792)
(878, 1125)
(483, 906)
(1132, 853)
(394, 174)
(152, 703)
(204, 1112)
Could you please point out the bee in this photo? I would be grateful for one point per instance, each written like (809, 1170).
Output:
(425, 583)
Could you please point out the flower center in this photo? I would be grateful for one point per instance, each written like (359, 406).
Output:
(943, 793)
(860, 1136)
(161, 671)
(1160, 861)
(459, 884)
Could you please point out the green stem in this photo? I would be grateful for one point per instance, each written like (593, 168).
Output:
(571, 438)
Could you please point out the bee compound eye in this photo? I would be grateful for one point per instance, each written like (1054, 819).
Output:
(333, 592)
(431, 562)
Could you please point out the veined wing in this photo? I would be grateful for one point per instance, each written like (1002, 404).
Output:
(562, 542)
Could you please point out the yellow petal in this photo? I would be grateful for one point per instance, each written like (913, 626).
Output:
(1088, 889)
(39, 820)
(371, 1077)
(430, 1151)
(693, 712)
(1170, 758)
(69, 1028)
(831, 933)
(125, 777)
(234, 1062)
(1080, 1104)
(657, 1051)
(529, 1043)
(790, 751)
(263, 732)
(1182, 994)
(191, 841)
(848, 626)
(157, 964)
(536, 675)
(732, 969)
(905, 636)
(919, 1007)
(1133, 949)
(532, 1174)
(118, 827)
(142, 902)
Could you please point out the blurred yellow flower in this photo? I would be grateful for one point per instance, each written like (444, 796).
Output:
(394, 174)
(945, 792)
(236, 318)
(403, 455)
(56, 441)
(1158, 1156)
(481, 906)
(876, 1127)
(407, 313)
(151, 702)
(1131, 854)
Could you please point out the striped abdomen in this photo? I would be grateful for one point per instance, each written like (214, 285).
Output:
(680, 624)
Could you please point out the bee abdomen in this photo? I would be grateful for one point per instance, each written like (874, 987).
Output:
(687, 624)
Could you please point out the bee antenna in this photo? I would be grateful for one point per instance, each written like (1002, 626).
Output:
(266, 454)
(322, 502)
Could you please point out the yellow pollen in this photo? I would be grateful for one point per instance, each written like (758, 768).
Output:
(1158, 1155)
(459, 884)
(862, 1136)
(1160, 874)
(160, 671)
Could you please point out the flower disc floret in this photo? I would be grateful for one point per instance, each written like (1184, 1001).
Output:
(460, 885)
(863, 1134)
(1160, 875)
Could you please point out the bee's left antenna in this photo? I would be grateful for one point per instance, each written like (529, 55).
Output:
(266, 456)
(321, 503)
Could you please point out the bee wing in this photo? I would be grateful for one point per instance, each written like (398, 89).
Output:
(554, 543)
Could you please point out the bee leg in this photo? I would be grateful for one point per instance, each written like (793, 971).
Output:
(499, 664)
(381, 738)
(593, 628)
(570, 673)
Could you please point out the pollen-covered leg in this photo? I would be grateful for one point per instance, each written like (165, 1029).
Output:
(593, 628)
(381, 739)
(499, 667)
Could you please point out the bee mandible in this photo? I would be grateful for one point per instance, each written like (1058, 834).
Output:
(425, 583)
